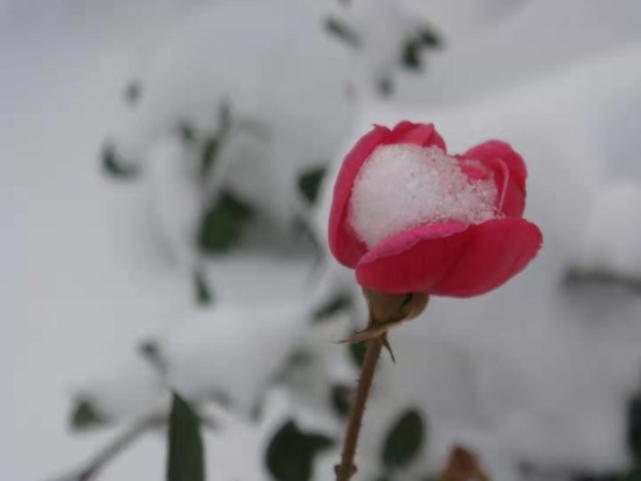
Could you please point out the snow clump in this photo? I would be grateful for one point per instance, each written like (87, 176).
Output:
(402, 186)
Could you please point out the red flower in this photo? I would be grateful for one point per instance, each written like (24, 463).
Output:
(450, 257)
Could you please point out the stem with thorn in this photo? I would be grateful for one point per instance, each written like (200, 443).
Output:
(385, 312)
(346, 468)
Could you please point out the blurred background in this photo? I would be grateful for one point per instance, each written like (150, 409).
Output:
(166, 176)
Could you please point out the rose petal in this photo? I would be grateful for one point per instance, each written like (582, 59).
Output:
(414, 260)
(343, 243)
(451, 259)
(497, 250)
(502, 159)
(424, 135)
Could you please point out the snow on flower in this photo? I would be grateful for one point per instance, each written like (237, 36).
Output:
(402, 186)
(411, 218)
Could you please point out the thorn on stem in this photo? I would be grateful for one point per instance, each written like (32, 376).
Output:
(385, 341)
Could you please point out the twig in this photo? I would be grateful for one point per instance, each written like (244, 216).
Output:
(115, 447)
(576, 275)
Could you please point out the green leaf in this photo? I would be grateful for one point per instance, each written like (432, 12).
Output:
(357, 352)
(334, 305)
(222, 224)
(342, 31)
(208, 155)
(309, 183)
(150, 350)
(411, 56)
(429, 38)
(113, 165)
(290, 453)
(298, 359)
(633, 475)
(404, 440)
(413, 46)
(634, 428)
(340, 397)
(84, 415)
(187, 132)
(185, 460)
(212, 144)
(204, 295)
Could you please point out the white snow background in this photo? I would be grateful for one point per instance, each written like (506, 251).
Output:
(538, 371)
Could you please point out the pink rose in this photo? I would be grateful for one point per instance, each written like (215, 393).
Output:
(450, 225)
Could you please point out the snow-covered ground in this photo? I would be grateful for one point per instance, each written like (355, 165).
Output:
(533, 372)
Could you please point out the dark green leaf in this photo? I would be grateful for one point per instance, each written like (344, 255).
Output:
(222, 224)
(404, 440)
(84, 415)
(212, 144)
(341, 395)
(185, 460)
(204, 295)
(113, 165)
(290, 453)
(133, 92)
(634, 428)
(309, 183)
(187, 132)
(633, 475)
(429, 38)
(151, 351)
(297, 359)
(411, 57)
(357, 352)
(208, 155)
(342, 31)
(334, 305)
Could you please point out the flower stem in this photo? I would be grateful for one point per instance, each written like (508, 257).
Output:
(385, 311)
(346, 469)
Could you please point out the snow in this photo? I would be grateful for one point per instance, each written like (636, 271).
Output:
(273, 136)
(207, 356)
(612, 237)
(534, 372)
(402, 186)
